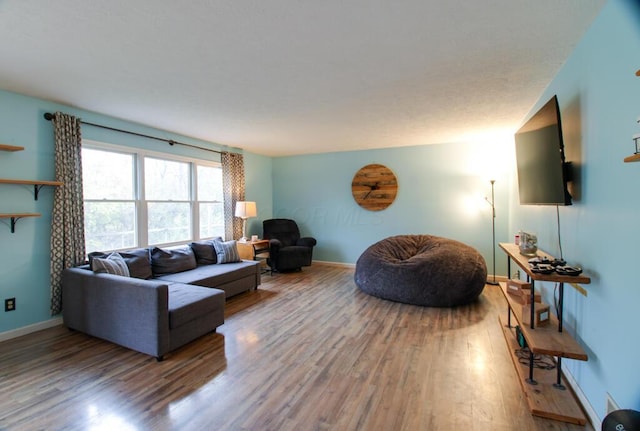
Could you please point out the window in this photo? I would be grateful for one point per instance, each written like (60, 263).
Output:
(109, 200)
(210, 201)
(166, 185)
(134, 198)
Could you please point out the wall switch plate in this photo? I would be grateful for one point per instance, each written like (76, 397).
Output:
(9, 304)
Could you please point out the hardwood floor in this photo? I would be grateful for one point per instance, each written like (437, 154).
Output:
(308, 351)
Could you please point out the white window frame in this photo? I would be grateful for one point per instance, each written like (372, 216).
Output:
(139, 155)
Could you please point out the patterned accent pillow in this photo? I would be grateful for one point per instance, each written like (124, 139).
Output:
(137, 259)
(227, 251)
(112, 264)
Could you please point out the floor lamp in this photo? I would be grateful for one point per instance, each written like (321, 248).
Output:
(493, 232)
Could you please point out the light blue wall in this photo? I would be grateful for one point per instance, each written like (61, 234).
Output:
(599, 98)
(441, 192)
(258, 188)
(24, 255)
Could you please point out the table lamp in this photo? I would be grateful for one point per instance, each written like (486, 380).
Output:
(245, 210)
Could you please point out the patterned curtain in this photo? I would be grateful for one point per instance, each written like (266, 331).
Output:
(233, 188)
(67, 217)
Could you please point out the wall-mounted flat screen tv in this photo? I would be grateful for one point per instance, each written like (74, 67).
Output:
(542, 170)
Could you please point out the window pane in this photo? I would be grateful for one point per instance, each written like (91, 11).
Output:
(166, 180)
(209, 183)
(109, 225)
(107, 175)
(168, 222)
(211, 220)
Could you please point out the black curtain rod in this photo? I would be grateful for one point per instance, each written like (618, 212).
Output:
(49, 116)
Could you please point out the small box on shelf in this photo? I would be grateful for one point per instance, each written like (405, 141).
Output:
(541, 314)
(521, 292)
(516, 286)
(524, 297)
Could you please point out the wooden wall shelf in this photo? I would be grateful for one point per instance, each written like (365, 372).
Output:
(17, 216)
(37, 185)
(5, 147)
(632, 158)
(513, 251)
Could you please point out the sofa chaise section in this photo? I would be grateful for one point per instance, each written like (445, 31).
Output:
(193, 311)
(149, 316)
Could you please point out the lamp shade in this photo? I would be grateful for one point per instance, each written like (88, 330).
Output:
(246, 209)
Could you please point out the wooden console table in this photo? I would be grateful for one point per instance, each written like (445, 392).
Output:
(545, 391)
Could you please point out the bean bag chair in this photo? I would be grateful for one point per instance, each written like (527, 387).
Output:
(423, 270)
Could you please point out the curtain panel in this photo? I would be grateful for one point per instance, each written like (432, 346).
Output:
(233, 189)
(67, 217)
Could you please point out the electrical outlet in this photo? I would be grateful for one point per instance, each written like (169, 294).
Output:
(9, 304)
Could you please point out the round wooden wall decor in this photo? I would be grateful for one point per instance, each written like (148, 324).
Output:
(374, 187)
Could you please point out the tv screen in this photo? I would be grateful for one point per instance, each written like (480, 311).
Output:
(542, 171)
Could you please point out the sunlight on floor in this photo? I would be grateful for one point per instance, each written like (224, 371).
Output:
(247, 338)
(101, 421)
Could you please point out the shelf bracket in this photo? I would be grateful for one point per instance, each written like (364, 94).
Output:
(36, 190)
(14, 217)
(14, 220)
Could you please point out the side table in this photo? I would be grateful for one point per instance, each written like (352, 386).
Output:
(255, 250)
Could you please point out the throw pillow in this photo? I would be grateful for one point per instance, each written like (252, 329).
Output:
(170, 261)
(227, 251)
(138, 261)
(112, 264)
(205, 252)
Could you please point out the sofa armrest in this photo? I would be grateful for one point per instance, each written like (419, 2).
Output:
(131, 312)
(274, 246)
(307, 241)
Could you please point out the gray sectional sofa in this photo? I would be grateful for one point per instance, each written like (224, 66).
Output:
(169, 298)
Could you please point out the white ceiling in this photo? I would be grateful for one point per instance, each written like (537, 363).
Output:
(284, 77)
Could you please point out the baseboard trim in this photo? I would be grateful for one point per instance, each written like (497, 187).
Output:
(502, 278)
(499, 278)
(19, 332)
(586, 405)
(340, 264)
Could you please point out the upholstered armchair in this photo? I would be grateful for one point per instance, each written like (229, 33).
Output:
(287, 251)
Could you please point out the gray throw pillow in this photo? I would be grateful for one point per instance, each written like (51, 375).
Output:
(112, 264)
(170, 261)
(205, 251)
(227, 251)
(138, 261)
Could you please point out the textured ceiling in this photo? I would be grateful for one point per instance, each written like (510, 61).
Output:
(283, 77)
